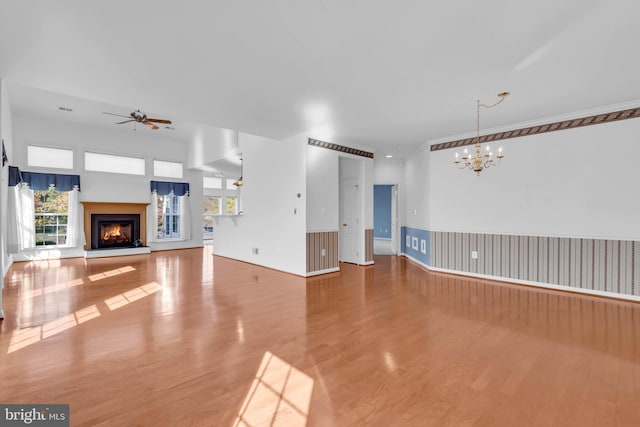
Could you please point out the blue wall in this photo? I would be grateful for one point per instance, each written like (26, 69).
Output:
(415, 243)
(382, 211)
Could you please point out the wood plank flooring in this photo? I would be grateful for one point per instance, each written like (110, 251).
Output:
(184, 338)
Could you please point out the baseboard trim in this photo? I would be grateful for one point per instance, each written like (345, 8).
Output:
(319, 272)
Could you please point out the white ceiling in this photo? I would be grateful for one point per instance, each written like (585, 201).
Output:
(372, 73)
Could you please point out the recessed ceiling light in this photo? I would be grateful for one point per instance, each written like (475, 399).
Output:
(388, 156)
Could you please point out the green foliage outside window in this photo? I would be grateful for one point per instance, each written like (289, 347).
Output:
(231, 208)
(211, 205)
(51, 216)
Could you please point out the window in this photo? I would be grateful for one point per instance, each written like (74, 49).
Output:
(230, 185)
(114, 164)
(232, 205)
(49, 157)
(211, 207)
(51, 210)
(168, 217)
(211, 182)
(168, 169)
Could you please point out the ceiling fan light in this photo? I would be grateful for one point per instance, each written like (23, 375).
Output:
(238, 182)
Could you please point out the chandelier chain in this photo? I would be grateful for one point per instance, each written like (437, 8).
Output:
(479, 162)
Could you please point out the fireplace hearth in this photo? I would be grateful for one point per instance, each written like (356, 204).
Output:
(115, 231)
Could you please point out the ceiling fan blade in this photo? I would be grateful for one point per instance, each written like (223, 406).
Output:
(119, 115)
(166, 122)
(126, 121)
(151, 125)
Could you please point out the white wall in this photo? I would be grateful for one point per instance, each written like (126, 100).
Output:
(576, 183)
(322, 195)
(108, 187)
(6, 134)
(274, 217)
(417, 179)
(388, 171)
(209, 144)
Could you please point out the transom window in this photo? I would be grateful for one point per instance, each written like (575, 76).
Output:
(46, 157)
(168, 169)
(115, 164)
(212, 182)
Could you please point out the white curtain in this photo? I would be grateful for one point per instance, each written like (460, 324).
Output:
(152, 219)
(75, 232)
(21, 232)
(185, 217)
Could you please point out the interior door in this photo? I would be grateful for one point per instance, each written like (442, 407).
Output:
(350, 221)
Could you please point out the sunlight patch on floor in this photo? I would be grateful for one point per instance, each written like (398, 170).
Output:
(135, 294)
(111, 273)
(280, 395)
(32, 293)
(22, 338)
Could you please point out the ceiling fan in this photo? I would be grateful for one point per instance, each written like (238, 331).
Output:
(140, 117)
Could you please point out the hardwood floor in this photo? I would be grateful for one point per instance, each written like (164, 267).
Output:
(185, 338)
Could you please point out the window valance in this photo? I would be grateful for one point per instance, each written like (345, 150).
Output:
(163, 188)
(14, 176)
(42, 181)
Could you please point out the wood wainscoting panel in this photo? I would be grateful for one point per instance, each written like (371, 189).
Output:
(322, 251)
(593, 264)
(368, 245)
(114, 208)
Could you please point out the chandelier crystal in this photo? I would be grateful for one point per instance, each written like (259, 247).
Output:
(478, 161)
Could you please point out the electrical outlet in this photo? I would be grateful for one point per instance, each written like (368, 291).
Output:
(474, 254)
(323, 252)
(254, 251)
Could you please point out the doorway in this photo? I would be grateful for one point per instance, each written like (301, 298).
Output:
(385, 219)
(350, 220)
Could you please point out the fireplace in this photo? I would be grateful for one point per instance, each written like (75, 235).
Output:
(114, 212)
(115, 231)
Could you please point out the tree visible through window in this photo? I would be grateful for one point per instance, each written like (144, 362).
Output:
(168, 217)
(51, 209)
(232, 205)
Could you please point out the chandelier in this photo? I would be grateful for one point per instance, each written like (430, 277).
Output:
(478, 162)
